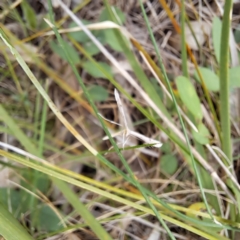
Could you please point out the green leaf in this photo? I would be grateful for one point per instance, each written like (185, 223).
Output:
(42, 25)
(98, 93)
(82, 37)
(43, 183)
(234, 77)
(210, 79)
(202, 136)
(70, 49)
(112, 40)
(157, 87)
(237, 34)
(216, 34)
(91, 68)
(169, 164)
(110, 37)
(29, 14)
(12, 197)
(119, 14)
(79, 36)
(189, 96)
(166, 147)
(48, 220)
(91, 48)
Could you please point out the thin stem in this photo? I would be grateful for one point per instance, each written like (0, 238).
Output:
(224, 80)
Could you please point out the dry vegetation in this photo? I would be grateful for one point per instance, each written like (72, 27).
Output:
(166, 171)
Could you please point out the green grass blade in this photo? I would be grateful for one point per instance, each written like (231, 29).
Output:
(43, 126)
(16, 131)
(10, 228)
(224, 91)
(224, 80)
(81, 208)
(36, 115)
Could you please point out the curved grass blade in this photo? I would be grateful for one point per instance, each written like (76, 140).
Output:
(10, 228)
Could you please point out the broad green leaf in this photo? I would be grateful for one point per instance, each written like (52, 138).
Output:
(13, 197)
(29, 14)
(70, 49)
(169, 164)
(166, 147)
(216, 34)
(98, 93)
(91, 48)
(79, 36)
(210, 79)
(189, 96)
(110, 37)
(48, 220)
(91, 68)
(234, 77)
(237, 34)
(119, 14)
(112, 40)
(43, 183)
(202, 136)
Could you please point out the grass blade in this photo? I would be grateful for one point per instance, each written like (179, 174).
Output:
(10, 228)
(224, 80)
